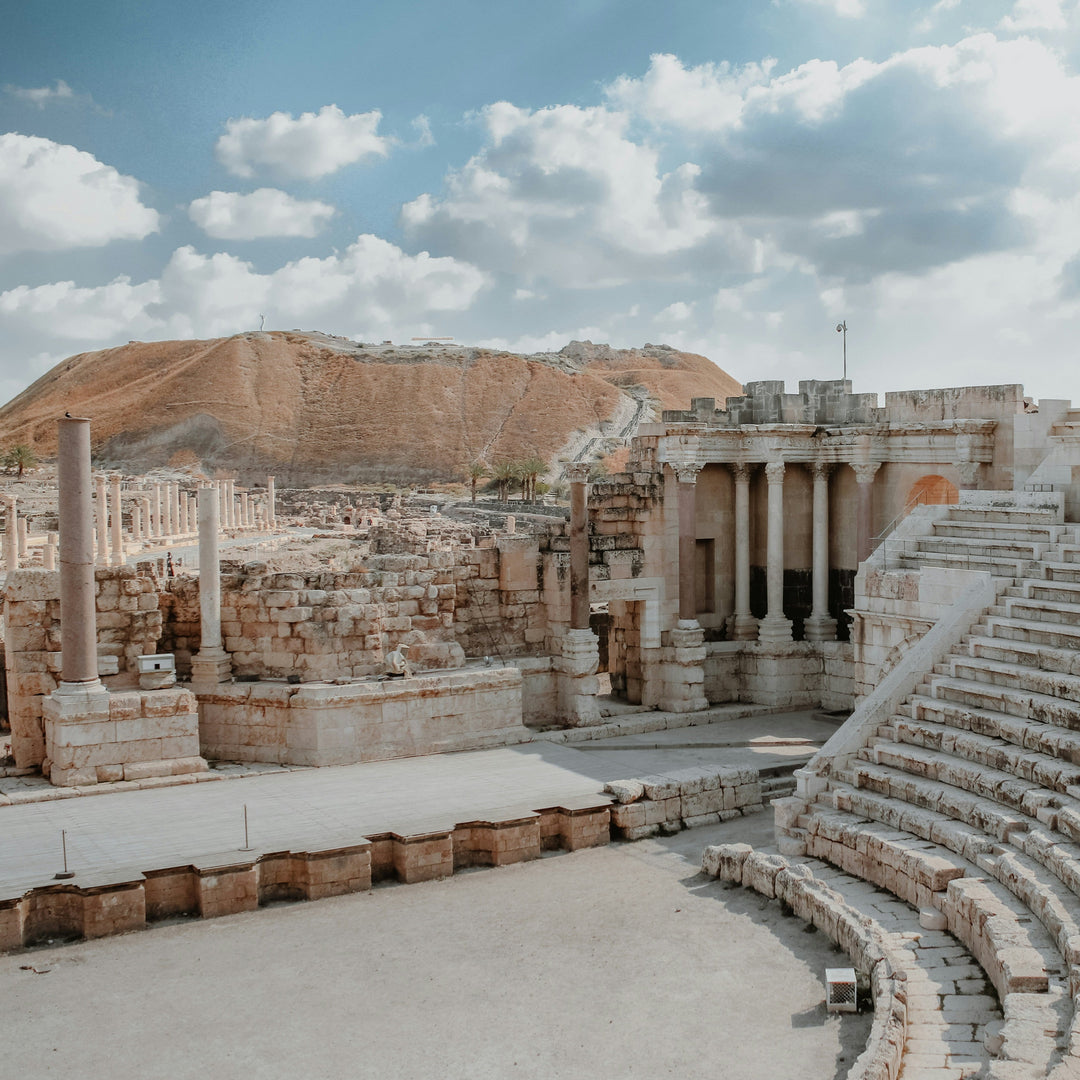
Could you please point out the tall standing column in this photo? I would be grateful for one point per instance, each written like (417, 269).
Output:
(211, 665)
(864, 509)
(578, 475)
(48, 552)
(271, 517)
(183, 514)
(11, 533)
(686, 474)
(820, 626)
(147, 520)
(117, 521)
(78, 618)
(158, 528)
(744, 625)
(775, 627)
(136, 523)
(23, 534)
(245, 505)
(172, 525)
(102, 509)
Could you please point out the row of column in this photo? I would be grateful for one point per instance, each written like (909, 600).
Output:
(775, 626)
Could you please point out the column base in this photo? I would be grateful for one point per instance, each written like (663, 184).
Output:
(743, 628)
(820, 628)
(210, 669)
(774, 628)
(683, 670)
(576, 678)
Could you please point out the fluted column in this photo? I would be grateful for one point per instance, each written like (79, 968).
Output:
(78, 618)
(744, 625)
(686, 473)
(864, 507)
(775, 627)
(102, 510)
(820, 626)
(136, 523)
(116, 535)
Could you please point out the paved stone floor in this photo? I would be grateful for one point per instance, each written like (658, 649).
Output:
(163, 826)
(607, 963)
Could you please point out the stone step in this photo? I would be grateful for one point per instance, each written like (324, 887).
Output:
(1012, 651)
(981, 548)
(996, 530)
(1032, 610)
(1067, 592)
(986, 815)
(1061, 571)
(1007, 568)
(1007, 514)
(1032, 631)
(1033, 735)
(1028, 704)
(1046, 770)
(982, 669)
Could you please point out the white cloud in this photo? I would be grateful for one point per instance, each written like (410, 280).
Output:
(307, 147)
(422, 126)
(43, 95)
(1035, 15)
(372, 284)
(227, 215)
(848, 9)
(551, 342)
(54, 197)
(677, 312)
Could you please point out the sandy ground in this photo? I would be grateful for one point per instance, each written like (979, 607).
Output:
(617, 962)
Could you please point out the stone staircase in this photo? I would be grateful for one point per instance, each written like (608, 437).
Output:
(966, 802)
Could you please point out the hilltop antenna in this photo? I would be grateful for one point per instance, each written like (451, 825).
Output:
(262, 319)
(841, 328)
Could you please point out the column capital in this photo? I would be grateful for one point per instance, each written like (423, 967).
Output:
(820, 470)
(865, 471)
(686, 471)
(969, 472)
(741, 471)
(577, 472)
(774, 472)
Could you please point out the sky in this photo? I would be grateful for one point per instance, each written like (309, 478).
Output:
(729, 177)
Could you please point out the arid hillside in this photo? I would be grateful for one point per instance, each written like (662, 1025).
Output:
(313, 408)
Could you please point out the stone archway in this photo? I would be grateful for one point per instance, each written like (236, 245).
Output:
(932, 490)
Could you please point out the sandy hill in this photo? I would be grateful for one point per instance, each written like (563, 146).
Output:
(313, 408)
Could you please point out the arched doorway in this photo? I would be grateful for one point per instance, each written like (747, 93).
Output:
(932, 490)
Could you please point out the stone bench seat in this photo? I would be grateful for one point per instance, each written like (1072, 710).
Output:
(1011, 945)
(1007, 568)
(1061, 571)
(1043, 589)
(1034, 735)
(1034, 632)
(1030, 654)
(1047, 770)
(1047, 611)
(1013, 675)
(1037, 532)
(1008, 514)
(994, 548)
(1025, 703)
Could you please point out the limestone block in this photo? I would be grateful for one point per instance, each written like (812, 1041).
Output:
(226, 890)
(658, 787)
(117, 909)
(725, 861)
(628, 816)
(625, 791)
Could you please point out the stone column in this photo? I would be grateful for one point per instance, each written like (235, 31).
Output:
(11, 533)
(211, 665)
(820, 626)
(102, 509)
(223, 505)
(245, 510)
(48, 552)
(271, 517)
(580, 652)
(578, 475)
(183, 514)
(136, 522)
(744, 625)
(78, 617)
(23, 534)
(170, 509)
(775, 627)
(687, 476)
(117, 521)
(157, 530)
(864, 509)
(147, 522)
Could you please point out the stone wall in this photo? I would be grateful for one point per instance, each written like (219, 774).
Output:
(128, 625)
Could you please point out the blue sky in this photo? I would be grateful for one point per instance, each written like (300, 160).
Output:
(731, 177)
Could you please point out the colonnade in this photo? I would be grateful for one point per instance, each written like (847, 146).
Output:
(775, 627)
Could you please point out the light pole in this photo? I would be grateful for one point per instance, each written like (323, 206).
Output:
(841, 328)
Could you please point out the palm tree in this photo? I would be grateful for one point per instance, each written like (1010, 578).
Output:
(504, 474)
(476, 472)
(20, 457)
(531, 469)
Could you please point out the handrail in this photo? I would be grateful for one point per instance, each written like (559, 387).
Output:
(918, 500)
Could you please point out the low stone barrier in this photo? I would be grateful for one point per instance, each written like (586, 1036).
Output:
(682, 799)
(859, 936)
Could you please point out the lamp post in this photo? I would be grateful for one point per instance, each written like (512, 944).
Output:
(841, 328)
